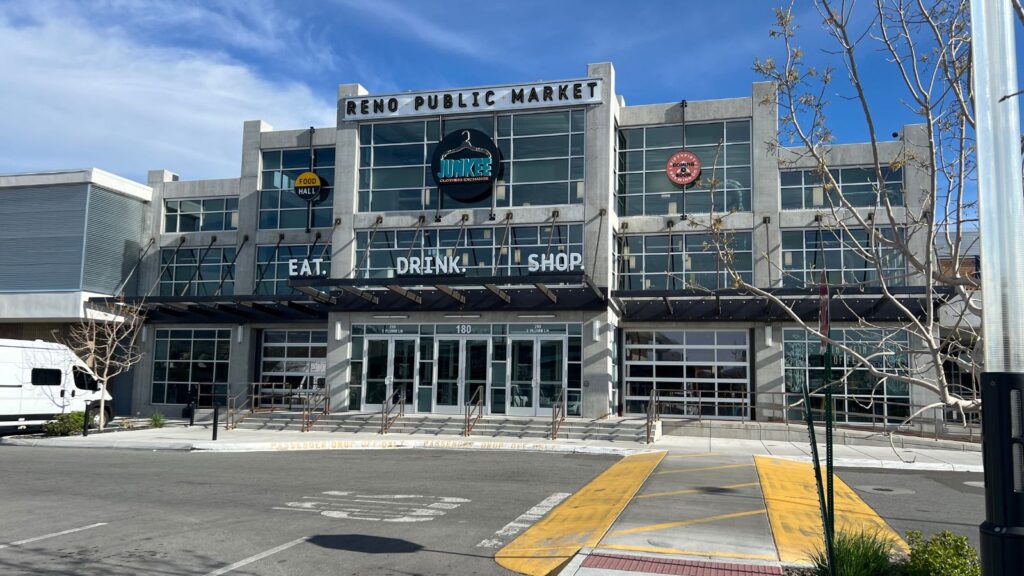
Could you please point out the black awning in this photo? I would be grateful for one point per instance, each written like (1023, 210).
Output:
(741, 306)
(546, 291)
(228, 309)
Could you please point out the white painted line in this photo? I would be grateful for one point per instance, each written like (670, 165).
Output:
(524, 521)
(45, 536)
(257, 557)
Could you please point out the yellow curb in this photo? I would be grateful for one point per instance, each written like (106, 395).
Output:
(791, 497)
(579, 522)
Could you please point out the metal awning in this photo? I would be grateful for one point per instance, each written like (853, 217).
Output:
(228, 309)
(547, 291)
(741, 306)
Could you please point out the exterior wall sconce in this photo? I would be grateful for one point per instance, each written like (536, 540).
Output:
(337, 330)
(768, 335)
(238, 334)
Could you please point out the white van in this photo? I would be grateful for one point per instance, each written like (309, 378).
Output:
(39, 380)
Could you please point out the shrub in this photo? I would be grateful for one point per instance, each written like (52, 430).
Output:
(157, 420)
(65, 424)
(856, 554)
(944, 554)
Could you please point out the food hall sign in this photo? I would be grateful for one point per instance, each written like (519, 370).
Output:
(510, 97)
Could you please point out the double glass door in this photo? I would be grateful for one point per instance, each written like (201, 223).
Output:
(390, 366)
(536, 374)
(462, 373)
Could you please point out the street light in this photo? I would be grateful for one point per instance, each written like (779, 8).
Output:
(1001, 215)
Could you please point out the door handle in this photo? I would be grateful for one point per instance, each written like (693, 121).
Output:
(62, 393)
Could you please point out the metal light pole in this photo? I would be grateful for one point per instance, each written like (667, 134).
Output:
(1001, 212)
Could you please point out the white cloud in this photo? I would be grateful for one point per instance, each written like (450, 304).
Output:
(76, 94)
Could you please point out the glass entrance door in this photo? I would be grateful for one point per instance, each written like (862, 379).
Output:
(390, 365)
(462, 368)
(536, 374)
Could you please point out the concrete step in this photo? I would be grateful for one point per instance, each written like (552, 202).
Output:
(432, 425)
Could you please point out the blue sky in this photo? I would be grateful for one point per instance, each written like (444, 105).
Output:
(131, 86)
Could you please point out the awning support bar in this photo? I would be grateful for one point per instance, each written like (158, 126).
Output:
(181, 242)
(199, 265)
(124, 283)
(407, 294)
(231, 267)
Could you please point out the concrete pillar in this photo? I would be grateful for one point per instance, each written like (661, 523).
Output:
(249, 204)
(242, 368)
(339, 356)
(346, 181)
(765, 185)
(597, 365)
(599, 178)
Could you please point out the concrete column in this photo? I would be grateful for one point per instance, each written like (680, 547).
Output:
(916, 184)
(339, 359)
(249, 204)
(597, 365)
(242, 368)
(764, 130)
(599, 178)
(768, 373)
(346, 181)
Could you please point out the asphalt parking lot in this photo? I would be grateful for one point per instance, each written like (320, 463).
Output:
(108, 512)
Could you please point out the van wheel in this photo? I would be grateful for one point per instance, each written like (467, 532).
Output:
(107, 416)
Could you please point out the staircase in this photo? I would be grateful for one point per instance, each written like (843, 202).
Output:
(496, 426)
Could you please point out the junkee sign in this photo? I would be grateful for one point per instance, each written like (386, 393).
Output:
(487, 99)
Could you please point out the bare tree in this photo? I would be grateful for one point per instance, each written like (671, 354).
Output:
(106, 339)
(914, 237)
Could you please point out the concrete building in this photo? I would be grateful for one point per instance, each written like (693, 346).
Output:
(509, 245)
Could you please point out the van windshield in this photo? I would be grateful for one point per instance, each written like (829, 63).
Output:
(84, 380)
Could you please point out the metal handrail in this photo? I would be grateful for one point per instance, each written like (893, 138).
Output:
(558, 413)
(316, 405)
(232, 419)
(652, 415)
(774, 407)
(386, 419)
(475, 404)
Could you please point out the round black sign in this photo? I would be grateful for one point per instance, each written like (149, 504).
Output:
(307, 186)
(465, 165)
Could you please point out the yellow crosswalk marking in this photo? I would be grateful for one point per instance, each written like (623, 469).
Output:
(791, 496)
(581, 521)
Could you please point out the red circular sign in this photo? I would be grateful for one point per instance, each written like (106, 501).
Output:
(683, 167)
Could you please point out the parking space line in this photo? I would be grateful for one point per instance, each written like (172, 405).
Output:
(677, 551)
(791, 496)
(524, 521)
(695, 490)
(581, 521)
(55, 534)
(257, 557)
(705, 469)
(703, 520)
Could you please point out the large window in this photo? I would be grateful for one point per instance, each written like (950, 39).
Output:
(542, 161)
(272, 265)
(693, 372)
(279, 206)
(859, 396)
(806, 252)
(187, 358)
(803, 189)
(724, 182)
(681, 261)
(481, 251)
(197, 272)
(201, 214)
(297, 358)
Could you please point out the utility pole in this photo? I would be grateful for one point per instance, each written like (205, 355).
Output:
(1001, 214)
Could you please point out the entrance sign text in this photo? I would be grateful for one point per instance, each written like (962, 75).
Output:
(560, 262)
(514, 97)
(306, 267)
(428, 265)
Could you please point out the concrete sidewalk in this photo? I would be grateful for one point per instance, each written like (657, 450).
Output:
(198, 438)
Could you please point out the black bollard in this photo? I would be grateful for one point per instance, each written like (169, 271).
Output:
(216, 416)
(191, 414)
(85, 419)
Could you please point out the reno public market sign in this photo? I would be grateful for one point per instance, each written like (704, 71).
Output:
(486, 99)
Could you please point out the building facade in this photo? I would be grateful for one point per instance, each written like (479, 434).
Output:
(512, 246)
